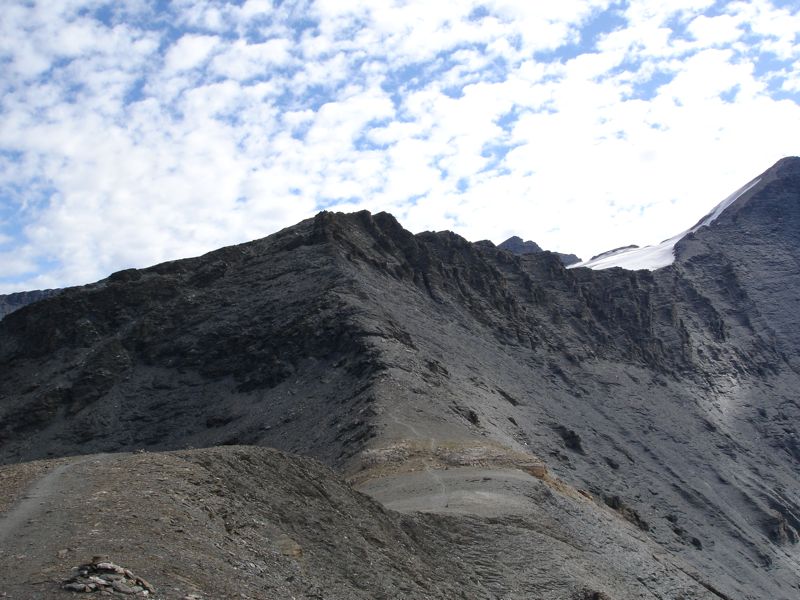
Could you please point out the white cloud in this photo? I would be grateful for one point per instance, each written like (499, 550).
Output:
(242, 61)
(707, 74)
(189, 52)
(716, 30)
(777, 27)
(123, 145)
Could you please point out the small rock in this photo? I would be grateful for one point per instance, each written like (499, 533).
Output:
(146, 585)
(63, 553)
(288, 546)
(123, 588)
(102, 575)
(108, 566)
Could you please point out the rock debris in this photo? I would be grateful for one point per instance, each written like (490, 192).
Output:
(102, 575)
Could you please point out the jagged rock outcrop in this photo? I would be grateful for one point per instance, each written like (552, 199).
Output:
(435, 373)
(515, 245)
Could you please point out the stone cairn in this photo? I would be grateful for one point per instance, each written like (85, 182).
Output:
(102, 575)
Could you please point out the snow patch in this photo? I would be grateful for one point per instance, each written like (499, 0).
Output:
(663, 254)
(712, 216)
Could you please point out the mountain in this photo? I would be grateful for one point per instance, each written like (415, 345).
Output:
(11, 302)
(663, 254)
(564, 433)
(515, 245)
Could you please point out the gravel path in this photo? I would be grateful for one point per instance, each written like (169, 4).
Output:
(33, 502)
(38, 531)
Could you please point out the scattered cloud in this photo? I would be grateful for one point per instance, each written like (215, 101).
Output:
(134, 132)
(189, 52)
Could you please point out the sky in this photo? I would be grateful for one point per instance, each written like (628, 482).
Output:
(138, 131)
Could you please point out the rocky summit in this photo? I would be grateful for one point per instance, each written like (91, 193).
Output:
(515, 245)
(451, 419)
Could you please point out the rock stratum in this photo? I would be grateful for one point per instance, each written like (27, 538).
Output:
(492, 424)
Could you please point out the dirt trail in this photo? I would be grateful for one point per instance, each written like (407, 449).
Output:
(33, 502)
(37, 529)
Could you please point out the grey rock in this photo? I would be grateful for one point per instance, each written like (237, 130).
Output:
(123, 588)
(428, 369)
(515, 245)
(12, 302)
(104, 575)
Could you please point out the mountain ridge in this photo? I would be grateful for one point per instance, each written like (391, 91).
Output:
(459, 379)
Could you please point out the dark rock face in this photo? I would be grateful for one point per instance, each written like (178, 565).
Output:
(515, 245)
(11, 302)
(749, 257)
(209, 351)
(666, 400)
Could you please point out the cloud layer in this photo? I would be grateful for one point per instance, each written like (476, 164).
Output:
(131, 134)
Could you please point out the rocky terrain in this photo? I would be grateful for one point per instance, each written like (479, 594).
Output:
(515, 245)
(523, 430)
(11, 302)
(245, 522)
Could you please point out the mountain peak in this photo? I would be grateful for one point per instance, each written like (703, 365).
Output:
(516, 245)
(778, 183)
(787, 163)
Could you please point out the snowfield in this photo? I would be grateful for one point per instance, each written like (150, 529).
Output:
(663, 254)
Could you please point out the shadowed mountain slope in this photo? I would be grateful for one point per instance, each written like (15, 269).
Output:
(466, 381)
(11, 302)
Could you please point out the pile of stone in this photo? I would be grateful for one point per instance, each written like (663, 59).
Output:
(102, 575)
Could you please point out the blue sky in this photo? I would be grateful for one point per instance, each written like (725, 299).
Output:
(133, 132)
